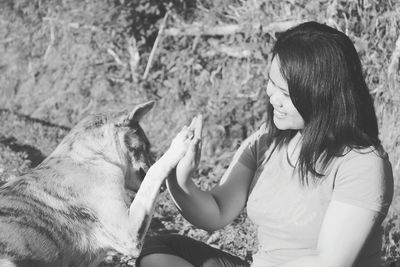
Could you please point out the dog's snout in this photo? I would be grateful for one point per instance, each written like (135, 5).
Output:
(142, 174)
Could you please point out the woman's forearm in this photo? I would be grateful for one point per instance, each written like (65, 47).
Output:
(197, 206)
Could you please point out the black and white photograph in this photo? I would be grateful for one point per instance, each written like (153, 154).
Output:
(199, 133)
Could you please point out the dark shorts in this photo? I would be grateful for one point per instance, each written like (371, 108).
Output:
(193, 251)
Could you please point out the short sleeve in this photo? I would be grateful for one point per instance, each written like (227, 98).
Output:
(365, 180)
(248, 152)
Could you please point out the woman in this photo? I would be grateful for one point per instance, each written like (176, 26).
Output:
(315, 179)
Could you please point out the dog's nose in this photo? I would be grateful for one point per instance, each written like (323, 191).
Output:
(142, 174)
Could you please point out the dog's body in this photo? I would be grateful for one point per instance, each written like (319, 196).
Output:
(73, 207)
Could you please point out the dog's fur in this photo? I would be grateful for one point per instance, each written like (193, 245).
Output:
(72, 208)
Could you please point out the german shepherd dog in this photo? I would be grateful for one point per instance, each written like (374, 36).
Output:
(73, 207)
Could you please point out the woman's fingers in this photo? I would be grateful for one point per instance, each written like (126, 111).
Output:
(194, 130)
(198, 126)
(193, 123)
(185, 133)
(194, 145)
(188, 164)
(193, 154)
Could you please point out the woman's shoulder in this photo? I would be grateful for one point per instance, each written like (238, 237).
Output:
(257, 136)
(364, 162)
(254, 147)
(261, 131)
(364, 177)
(369, 154)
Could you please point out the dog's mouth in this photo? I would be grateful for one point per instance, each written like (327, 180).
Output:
(141, 174)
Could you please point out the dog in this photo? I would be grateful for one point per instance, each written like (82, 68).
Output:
(74, 207)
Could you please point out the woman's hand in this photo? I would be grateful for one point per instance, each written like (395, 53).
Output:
(190, 161)
(209, 209)
(178, 147)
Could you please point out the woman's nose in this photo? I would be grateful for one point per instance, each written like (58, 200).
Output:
(274, 95)
(274, 100)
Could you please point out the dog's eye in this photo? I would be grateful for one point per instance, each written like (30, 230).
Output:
(133, 144)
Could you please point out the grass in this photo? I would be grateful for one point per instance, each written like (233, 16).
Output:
(60, 62)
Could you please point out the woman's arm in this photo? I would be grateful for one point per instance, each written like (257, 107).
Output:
(209, 210)
(212, 210)
(344, 231)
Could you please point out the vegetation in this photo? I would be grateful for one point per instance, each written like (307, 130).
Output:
(63, 59)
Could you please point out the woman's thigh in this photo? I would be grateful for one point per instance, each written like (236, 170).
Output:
(195, 252)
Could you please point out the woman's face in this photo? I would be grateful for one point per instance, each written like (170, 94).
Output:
(286, 116)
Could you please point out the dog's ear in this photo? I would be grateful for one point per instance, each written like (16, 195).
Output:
(136, 114)
(141, 110)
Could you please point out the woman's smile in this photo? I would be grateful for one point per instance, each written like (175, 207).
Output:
(279, 114)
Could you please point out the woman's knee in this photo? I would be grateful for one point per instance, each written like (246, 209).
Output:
(162, 260)
(225, 262)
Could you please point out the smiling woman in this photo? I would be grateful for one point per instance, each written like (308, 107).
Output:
(314, 178)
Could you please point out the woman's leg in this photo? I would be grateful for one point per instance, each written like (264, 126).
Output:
(181, 251)
(158, 259)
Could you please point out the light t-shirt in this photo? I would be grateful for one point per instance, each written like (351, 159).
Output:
(288, 215)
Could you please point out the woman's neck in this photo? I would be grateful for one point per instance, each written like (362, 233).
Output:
(293, 148)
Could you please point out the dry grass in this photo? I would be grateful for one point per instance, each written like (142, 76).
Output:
(60, 60)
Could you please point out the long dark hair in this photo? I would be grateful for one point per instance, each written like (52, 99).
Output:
(326, 85)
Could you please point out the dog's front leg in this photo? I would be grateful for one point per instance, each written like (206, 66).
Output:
(142, 207)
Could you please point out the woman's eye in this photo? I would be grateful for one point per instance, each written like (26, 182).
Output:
(285, 93)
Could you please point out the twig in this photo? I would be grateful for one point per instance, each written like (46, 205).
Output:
(200, 30)
(153, 50)
(397, 166)
(233, 51)
(394, 62)
(116, 57)
(52, 38)
(346, 20)
(228, 29)
(134, 57)
(74, 25)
